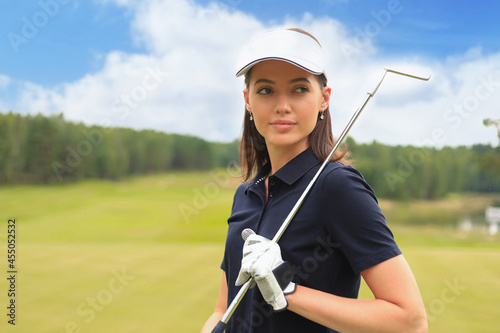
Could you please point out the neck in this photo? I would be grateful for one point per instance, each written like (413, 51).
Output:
(279, 156)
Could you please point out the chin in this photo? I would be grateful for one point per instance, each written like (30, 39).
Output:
(289, 143)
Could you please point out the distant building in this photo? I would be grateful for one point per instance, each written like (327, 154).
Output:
(493, 218)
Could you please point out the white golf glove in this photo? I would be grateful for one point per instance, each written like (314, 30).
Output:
(260, 257)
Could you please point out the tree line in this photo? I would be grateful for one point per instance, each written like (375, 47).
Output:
(405, 172)
(49, 149)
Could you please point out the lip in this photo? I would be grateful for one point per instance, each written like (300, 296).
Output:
(283, 125)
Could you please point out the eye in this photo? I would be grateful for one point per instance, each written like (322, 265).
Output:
(301, 90)
(264, 91)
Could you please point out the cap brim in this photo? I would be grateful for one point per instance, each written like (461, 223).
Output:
(286, 45)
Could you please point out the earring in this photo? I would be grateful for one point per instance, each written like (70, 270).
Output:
(322, 114)
(250, 113)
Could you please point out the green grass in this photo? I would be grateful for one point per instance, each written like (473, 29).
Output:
(163, 287)
(460, 287)
(164, 234)
(173, 207)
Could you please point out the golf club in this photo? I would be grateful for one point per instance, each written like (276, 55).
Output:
(221, 325)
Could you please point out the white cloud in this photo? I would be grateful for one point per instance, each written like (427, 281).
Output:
(192, 50)
(4, 81)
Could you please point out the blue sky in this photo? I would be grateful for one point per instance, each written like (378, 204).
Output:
(73, 39)
(67, 46)
(55, 55)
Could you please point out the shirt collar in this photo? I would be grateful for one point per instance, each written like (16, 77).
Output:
(290, 172)
(297, 167)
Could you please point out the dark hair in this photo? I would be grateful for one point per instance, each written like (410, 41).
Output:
(253, 149)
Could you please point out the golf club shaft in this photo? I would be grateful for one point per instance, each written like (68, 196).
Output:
(341, 138)
(219, 328)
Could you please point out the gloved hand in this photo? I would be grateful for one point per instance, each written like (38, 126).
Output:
(260, 257)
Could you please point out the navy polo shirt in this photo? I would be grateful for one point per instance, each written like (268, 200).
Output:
(338, 232)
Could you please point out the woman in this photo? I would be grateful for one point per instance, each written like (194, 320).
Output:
(337, 236)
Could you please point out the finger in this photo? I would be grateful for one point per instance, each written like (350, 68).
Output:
(242, 278)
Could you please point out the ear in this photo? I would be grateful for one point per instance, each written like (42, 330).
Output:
(327, 91)
(247, 99)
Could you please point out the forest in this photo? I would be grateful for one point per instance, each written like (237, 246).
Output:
(49, 149)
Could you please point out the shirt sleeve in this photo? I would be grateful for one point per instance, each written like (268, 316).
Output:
(355, 220)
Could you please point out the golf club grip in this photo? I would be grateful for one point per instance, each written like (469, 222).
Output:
(246, 233)
(220, 327)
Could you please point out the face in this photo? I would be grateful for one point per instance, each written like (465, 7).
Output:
(285, 101)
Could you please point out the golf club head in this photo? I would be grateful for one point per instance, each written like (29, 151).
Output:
(387, 70)
(423, 78)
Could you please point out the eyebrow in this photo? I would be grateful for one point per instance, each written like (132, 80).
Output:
(299, 79)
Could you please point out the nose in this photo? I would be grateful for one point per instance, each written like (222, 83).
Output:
(282, 105)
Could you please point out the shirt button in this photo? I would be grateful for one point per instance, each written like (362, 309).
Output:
(271, 194)
(272, 182)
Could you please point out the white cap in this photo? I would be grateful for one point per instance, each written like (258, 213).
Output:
(286, 45)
